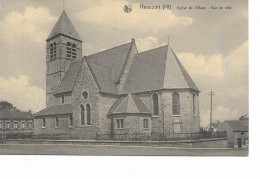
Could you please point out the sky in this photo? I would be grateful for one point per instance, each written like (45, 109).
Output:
(211, 44)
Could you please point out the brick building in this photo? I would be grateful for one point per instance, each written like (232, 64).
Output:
(14, 123)
(114, 92)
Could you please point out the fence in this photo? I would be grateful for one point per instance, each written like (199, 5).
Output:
(135, 136)
(163, 136)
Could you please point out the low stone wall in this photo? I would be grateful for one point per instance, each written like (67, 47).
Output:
(203, 143)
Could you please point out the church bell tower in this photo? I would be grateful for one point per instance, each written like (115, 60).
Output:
(63, 46)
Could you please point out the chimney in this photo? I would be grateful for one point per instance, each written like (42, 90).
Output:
(132, 40)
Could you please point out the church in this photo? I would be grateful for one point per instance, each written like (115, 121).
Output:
(116, 92)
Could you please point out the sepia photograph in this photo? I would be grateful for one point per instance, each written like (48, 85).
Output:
(124, 78)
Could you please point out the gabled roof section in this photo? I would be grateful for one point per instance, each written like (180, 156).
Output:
(70, 77)
(237, 125)
(15, 115)
(114, 58)
(55, 110)
(103, 77)
(147, 71)
(65, 27)
(129, 104)
(155, 69)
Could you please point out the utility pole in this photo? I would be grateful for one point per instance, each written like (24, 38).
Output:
(211, 94)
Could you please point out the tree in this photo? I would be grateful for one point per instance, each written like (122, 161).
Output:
(6, 106)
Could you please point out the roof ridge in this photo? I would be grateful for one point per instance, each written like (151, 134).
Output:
(106, 50)
(151, 49)
(99, 64)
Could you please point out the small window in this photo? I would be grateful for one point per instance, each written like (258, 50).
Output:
(71, 120)
(145, 123)
(88, 114)
(62, 98)
(120, 123)
(85, 95)
(30, 125)
(43, 123)
(155, 104)
(23, 125)
(15, 125)
(1, 126)
(7, 124)
(57, 122)
(242, 133)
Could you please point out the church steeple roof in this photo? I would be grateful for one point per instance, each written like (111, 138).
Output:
(65, 27)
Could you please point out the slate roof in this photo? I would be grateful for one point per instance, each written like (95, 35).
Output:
(157, 69)
(114, 58)
(151, 70)
(55, 110)
(70, 77)
(65, 27)
(15, 115)
(130, 104)
(104, 78)
(237, 125)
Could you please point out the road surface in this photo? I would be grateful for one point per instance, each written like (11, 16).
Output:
(112, 150)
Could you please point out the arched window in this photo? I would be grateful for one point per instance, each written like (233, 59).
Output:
(74, 51)
(54, 50)
(175, 103)
(71, 120)
(88, 114)
(194, 104)
(155, 104)
(51, 51)
(43, 123)
(68, 50)
(57, 122)
(62, 98)
(82, 115)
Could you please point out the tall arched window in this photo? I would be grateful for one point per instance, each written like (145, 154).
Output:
(155, 104)
(57, 122)
(88, 114)
(74, 51)
(54, 50)
(68, 50)
(82, 115)
(62, 98)
(194, 104)
(51, 51)
(175, 103)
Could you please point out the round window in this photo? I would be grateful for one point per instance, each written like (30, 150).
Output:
(85, 95)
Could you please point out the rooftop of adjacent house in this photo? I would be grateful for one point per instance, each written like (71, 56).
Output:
(130, 104)
(155, 69)
(15, 115)
(65, 27)
(237, 125)
(55, 110)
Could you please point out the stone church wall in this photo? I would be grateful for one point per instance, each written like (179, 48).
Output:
(85, 82)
